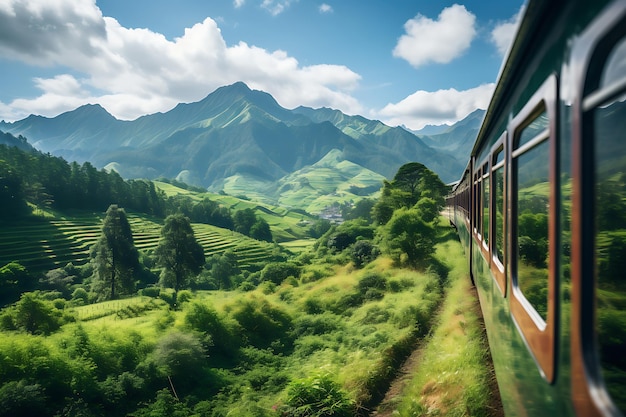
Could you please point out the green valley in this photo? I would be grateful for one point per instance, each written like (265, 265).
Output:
(156, 298)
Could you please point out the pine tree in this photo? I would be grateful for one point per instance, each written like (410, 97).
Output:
(115, 256)
(179, 253)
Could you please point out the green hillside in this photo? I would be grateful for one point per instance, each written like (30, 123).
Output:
(286, 224)
(52, 243)
(329, 181)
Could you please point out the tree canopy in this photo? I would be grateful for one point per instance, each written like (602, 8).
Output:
(115, 256)
(412, 182)
(178, 253)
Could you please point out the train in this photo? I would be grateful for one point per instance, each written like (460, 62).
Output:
(540, 210)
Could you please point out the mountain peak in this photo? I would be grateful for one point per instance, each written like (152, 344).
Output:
(90, 110)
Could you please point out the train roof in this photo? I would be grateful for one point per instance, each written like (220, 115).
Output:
(535, 17)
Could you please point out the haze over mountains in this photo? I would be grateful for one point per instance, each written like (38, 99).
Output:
(242, 141)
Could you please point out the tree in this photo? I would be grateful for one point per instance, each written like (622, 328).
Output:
(223, 268)
(179, 253)
(428, 209)
(11, 194)
(363, 252)
(36, 316)
(14, 280)
(244, 220)
(412, 182)
(260, 230)
(115, 255)
(408, 238)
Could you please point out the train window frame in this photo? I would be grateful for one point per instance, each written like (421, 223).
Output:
(589, 56)
(538, 334)
(485, 201)
(497, 264)
(476, 204)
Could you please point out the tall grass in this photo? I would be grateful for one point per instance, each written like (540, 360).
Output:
(452, 378)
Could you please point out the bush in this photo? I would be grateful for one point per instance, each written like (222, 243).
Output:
(19, 398)
(277, 272)
(263, 324)
(372, 280)
(184, 296)
(317, 325)
(153, 292)
(205, 319)
(36, 316)
(317, 396)
(364, 252)
(181, 356)
(80, 296)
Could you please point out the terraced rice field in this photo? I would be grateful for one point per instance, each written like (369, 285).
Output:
(47, 244)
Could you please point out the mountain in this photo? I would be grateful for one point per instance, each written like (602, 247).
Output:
(458, 139)
(238, 140)
(429, 130)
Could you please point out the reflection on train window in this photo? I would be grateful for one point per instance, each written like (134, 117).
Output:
(609, 121)
(498, 199)
(538, 125)
(615, 68)
(531, 163)
(485, 208)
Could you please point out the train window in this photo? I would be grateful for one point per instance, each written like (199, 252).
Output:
(531, 162)
(598, 219)
(497, 213)
(485, 206)
(498, 203)
(615, 70)
(534, 214)
(609, 125)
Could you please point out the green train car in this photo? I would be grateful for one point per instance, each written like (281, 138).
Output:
(541, 211)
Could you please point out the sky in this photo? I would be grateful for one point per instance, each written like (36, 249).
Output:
(411, 63)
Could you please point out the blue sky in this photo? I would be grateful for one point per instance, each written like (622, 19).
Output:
(403, 62)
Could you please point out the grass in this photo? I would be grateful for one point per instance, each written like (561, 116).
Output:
(338, 328)
(452, 377)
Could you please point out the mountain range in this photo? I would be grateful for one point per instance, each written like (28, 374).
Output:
(242, 141)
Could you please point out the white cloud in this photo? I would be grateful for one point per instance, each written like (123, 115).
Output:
(326, 8)
(439, 41)
(275, 7)
(132, 72)
(238, 3)
(435, 108)
(504, 32)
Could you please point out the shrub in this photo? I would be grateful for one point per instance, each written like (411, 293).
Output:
(317, 396)
(153, 292)
(372, 280)
(184, 296)
(180, 355)
(80, 296)
(205, 319)
(36, 316)
(364, 252)
(277, 272)
(313, 306)
(19, 398)
(316, 325)
(262, 323)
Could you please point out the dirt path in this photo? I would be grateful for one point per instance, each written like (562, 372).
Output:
(394, 393)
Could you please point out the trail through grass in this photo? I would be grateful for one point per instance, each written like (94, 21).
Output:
(449, 375)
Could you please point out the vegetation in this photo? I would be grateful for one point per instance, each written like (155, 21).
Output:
(179, 253)
(319, 333)
(115, 255)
